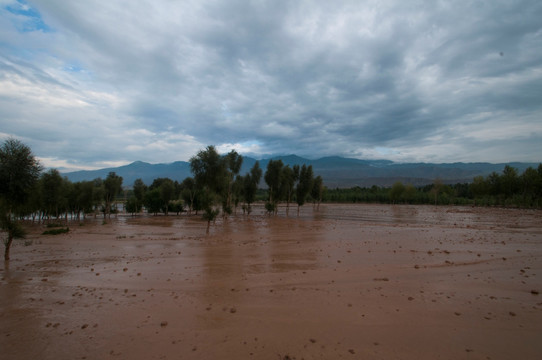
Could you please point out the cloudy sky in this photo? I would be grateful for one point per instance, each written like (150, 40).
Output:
(91, 84)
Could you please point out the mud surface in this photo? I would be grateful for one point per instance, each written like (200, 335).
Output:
(343, 282)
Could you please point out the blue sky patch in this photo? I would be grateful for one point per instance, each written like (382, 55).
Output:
(31, 19)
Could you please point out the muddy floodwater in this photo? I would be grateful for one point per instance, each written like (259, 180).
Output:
(341, 282)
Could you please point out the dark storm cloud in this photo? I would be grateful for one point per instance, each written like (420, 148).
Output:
(410, 81)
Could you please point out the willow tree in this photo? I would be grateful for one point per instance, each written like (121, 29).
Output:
(304, 186)
(112, 186)
(288, 180)
(233, 163)
(250, 185)
(317, 192)
(19, 172)
(52, 195)
(272, 178)
(210, 174)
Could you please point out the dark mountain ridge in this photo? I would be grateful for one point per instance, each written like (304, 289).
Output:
(336, 171)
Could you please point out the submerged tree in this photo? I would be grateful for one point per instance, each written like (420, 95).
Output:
(211, 177)
(188, 192)
(304, 187)
(233, 161)
(19, 172)
(250, 185)
(112, 186)
(139, 192)
(317, 192)
(288, 180)
(272, 178)
(52, 194)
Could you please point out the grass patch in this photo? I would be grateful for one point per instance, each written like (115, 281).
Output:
(56, 231)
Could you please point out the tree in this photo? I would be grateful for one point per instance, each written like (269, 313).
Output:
(51, 192)
(237, 191)
(133, 206)
(250, 185)
(188, 192)
(509, 182)
(139, 192)
(410, 193)
(97, 194)
(287, 184)
(479, 188)
(112, 186)
(152, 201)
(19, 172)
(209, 170)
(234, 161)
(272, 178)
(396, 191)
(317, 191)
(211, 176)
(167, 191)
(304, 187)
(437, 188)
(86, 196)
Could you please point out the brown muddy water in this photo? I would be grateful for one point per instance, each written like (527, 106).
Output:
(341, 282)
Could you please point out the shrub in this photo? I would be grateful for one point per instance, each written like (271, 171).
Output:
(56, 231)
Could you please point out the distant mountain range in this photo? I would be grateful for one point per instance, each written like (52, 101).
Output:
(336, 171)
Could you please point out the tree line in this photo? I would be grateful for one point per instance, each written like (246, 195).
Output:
(506, 189)
(26, 192)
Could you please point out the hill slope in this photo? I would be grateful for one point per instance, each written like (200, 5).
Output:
(336, 171)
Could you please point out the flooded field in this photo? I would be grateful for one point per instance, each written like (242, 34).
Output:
(341, 282)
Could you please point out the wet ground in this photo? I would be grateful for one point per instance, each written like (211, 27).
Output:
(344, 281)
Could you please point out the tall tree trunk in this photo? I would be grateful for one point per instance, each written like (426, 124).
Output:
(8, 246)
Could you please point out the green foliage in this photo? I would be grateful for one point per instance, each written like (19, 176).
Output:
(112, 186)
(289, 177)
(176, 207)
(52, 190)
(56, 231)
(250, 184)
(272, 178)
(167, 191)
(507, 189)
(188, 192)
(317, 191)
(19, 171)
(133, 205)
(13, 229)
(209, 170)
(396, 191)
(270, 207)
(210, 214)
(304, 187)
(153, 201)
(139, 189)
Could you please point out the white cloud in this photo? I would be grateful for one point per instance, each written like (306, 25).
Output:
(424, 81)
